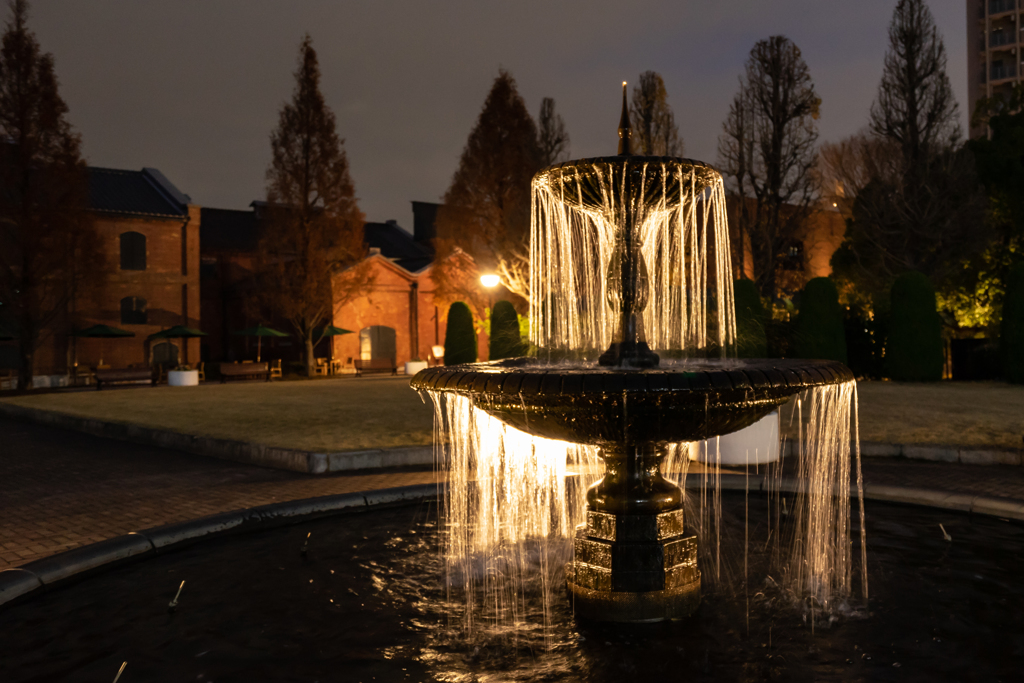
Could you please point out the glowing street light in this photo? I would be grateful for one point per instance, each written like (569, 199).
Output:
(490, 281)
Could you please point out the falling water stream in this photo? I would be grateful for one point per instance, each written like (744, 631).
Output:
(513, 501)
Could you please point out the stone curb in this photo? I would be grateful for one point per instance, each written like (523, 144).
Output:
(227, 449)
(964, 455)
(20, 581)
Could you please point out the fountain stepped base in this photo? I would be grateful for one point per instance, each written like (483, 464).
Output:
(634, 568)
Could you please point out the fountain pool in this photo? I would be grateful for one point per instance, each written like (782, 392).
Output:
(368, 602)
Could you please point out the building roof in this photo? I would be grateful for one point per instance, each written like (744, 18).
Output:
(142, 193)
(233, 230)
(398, 245)
(228, 229)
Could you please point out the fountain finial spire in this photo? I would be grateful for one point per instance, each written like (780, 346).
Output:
(624, 128)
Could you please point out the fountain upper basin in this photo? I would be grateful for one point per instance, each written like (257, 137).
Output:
(685, 400)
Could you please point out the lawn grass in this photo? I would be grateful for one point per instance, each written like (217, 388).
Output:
(318, 415)
(973, 414)
(380, 412)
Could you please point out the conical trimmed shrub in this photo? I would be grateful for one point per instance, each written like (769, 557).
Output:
(1011, 332)
(751, 340)
(913, 351)
(820, 331)
(459, 336)
(505, 339)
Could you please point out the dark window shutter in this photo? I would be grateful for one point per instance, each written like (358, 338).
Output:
(133, 251)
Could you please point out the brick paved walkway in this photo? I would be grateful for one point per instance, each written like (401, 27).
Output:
(60, 490)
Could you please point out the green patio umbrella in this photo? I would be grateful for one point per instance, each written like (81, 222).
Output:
(259, 332)
(99, 332)
(332, 331)
(177, 332)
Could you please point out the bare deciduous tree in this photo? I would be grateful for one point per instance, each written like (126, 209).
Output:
(486, 210)
(767, 153)
(918, 205)
(48, 244)
(654, 124)
(915, 106)
(312, 239)
(552, 137)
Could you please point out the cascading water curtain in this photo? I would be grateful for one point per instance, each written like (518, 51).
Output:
(683, 234)
(821, 565)
(510, 498)
(815, 558)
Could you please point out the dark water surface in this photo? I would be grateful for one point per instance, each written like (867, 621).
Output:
(368, 603)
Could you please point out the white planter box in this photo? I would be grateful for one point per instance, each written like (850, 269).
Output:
(754, 445)
(183, 378)
(414, 366)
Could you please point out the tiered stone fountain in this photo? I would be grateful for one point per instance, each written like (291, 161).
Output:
(634, 560)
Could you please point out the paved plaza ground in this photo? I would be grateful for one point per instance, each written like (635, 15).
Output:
(61, 489)
(381, 412)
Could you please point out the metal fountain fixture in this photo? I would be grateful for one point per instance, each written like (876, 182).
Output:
(634, 560)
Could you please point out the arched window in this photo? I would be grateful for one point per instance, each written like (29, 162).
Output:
(133, 251)
(133, 311)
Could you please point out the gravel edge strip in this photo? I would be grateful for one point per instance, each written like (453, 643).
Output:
(19, 581)
(289, 459)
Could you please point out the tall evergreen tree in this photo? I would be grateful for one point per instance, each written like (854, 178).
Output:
(312, 239)
(48, 245)
(767, 154)
(654, 125)
(915, 106)
(486, 211)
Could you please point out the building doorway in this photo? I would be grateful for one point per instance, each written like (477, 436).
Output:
(377, 341)
(164, 354)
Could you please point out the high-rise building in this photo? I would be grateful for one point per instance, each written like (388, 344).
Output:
(994, 43)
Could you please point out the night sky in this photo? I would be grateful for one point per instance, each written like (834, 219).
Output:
(194, 87)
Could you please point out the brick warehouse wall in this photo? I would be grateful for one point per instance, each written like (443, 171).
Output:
(170, 285)
(394, 302)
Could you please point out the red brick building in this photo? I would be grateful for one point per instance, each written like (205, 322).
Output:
(396, 319)
(149, 233)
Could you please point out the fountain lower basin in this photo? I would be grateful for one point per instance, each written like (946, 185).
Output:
(633, 558)
(686, 400)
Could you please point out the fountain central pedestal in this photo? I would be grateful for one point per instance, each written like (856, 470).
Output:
(633, 560)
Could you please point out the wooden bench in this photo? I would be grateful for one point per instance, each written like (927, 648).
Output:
(244, 371)
(123, 376)
(375, 365)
